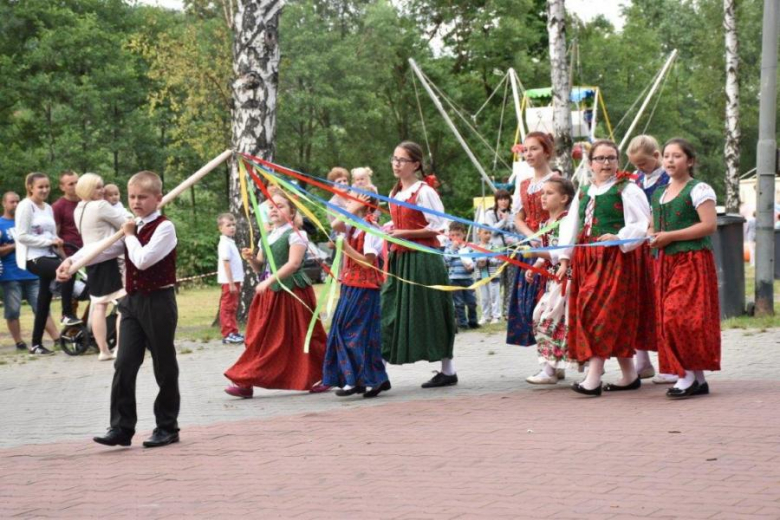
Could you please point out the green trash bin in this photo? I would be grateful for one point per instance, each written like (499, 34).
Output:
(728, 248)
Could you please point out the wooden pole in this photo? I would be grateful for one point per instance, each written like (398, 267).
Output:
(175, 192)
(449, 122)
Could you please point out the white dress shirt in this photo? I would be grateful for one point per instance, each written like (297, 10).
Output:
(162, 242)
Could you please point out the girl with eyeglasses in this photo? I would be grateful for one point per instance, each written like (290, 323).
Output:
(688, 322)
(538, 150)
(417, 323)
(604, 302)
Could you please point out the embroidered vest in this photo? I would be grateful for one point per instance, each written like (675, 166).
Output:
(408, 218)
(532, 206)
(155, 277)
(281, 253)
(607, 212)
(676, 214)
(356, 274)
(662, 182)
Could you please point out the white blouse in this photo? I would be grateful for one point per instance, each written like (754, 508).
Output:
(636, 214)
(426, 198)
(372, 245)
(299, 238)
(700, 194)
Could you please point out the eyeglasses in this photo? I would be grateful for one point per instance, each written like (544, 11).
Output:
(400, 160)
(605, 159)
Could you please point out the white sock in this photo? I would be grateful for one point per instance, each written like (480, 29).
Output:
(447, 367)
(595, 368)
(699, 374)
(548, 369)
(642, 360)
(347, 387)
(684, 383)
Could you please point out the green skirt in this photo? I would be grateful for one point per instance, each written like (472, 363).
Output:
(418, 324)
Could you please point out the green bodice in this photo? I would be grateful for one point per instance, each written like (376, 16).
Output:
(607, 212)
(281, 253)
(677, 214)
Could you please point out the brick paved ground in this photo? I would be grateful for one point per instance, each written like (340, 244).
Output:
(491, 447)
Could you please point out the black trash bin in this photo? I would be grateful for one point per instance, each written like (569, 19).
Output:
(728, 247)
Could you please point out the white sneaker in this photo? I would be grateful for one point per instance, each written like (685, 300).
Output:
(542, 379)
(482, 321)
(665, 379)
(495, 321)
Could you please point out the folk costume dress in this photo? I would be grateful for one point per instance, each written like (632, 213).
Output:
(354, 351)
(550, 318)
(276, 328)
(525, 295)
(417, 323)
(688, 312)
(604, 310)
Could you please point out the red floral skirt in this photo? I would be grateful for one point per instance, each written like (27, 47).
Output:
(604, 303)
(688, 312)
(275, 333)
(645, 267)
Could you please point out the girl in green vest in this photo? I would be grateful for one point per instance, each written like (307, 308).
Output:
(280, 314)
(688, 321)
(605, 299)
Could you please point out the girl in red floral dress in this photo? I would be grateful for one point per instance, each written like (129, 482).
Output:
(538, 149)
(550, 318)
(688, 320)
(604, 302)
(278, 320)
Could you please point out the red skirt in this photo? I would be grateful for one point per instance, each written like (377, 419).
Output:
(275, 333)
(604, 303)
(688, 312)
(645, 267)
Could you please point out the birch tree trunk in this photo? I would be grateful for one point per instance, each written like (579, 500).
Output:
(255, 85)
(731, 148)
(561, 90)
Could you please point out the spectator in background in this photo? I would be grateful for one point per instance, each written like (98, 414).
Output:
(14, 281)
(750, 238)
(63, 209)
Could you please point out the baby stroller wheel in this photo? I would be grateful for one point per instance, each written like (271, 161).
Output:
(74, 340)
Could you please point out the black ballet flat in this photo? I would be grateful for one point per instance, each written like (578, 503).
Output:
(596, 392)
(636, 385)
(354, 390)
(676, 393)
(384, 387)
(704, 389)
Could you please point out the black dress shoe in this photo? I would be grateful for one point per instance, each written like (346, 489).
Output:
(354, 390)
(441, 380)
(161, 437)
(704, 389)
(114, 437)
(584, 391)
(677, 393)
(609, 387)
(384, 387)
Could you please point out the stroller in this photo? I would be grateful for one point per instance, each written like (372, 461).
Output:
(77, 339)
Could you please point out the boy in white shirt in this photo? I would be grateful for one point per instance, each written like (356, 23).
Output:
(230, 274)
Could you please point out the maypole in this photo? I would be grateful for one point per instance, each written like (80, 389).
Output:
(647, 99)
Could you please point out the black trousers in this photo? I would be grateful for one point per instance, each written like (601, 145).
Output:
(45, 268)
(148, 322)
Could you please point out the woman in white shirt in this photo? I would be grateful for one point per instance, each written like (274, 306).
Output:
(97, 219)
(37, 250)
